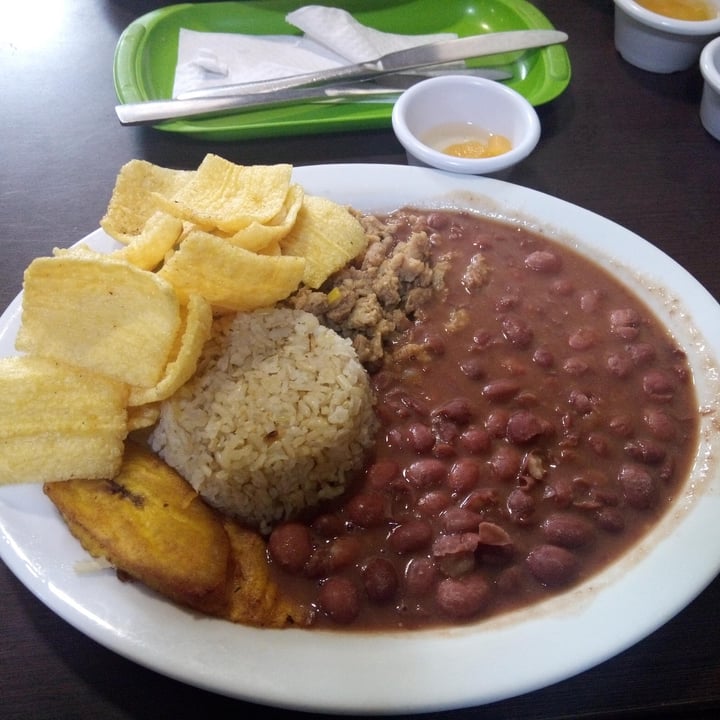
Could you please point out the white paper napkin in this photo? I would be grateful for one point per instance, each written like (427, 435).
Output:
(332, 38)
(341, 33)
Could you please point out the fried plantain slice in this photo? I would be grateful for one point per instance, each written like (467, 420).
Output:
(150, 524)
(254, 597)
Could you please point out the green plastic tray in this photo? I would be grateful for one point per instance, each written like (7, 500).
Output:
(146, 55)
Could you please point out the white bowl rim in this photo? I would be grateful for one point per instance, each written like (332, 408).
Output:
(441, 160)
(671, 25)
(708, 67)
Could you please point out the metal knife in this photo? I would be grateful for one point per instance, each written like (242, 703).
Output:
(155, 111)
(437, 53)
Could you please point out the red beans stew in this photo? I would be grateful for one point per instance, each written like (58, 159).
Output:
(536, 420)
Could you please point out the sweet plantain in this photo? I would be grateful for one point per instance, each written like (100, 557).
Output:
(153, 527)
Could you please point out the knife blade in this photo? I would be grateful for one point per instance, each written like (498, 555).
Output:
(437, 53)
(154, 111)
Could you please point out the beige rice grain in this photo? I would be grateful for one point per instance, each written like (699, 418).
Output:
(276, 419)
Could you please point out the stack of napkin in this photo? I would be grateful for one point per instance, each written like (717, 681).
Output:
(331, 38)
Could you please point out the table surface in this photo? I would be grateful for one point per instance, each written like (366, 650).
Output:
(624, 143)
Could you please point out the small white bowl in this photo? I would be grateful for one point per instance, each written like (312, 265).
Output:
(659, 43)
(710, 101)
(472, 105)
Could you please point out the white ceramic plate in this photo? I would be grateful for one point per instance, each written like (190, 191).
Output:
(425, 670)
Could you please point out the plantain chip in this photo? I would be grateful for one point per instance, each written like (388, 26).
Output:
(150, 524)
(141, 417)
(230, 278)
(197, 325)
(229, 197)
(257, 236)
(100, 314)
(134, 198)
(148, 249)
(81, 249)
(271, 250)
(327, 235)
(58, 422)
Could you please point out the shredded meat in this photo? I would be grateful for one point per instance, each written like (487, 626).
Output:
(379, 294)
(477, 272)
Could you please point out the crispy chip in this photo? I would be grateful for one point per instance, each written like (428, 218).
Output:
(148, 522)
(58, 422)
(142, 416)
(196, 330)
(149, 248)
(258, 236)
(327, 235)
(272, 250)
(133, 200)
(82, 249)
(100, 314)
(230, 197)
(230, 277)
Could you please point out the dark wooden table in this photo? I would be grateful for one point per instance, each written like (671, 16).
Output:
(621, 142)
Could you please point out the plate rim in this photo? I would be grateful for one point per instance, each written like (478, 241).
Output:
(422, 651)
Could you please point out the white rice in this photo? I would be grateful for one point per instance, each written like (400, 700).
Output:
(275, 420)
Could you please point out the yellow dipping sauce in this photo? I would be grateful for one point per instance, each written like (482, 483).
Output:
(681, 9)
(495, 145)
(466, 141)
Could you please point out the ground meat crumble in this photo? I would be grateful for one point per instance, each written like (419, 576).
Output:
(378, 295)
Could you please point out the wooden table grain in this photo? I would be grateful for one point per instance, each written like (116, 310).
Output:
(622, 142)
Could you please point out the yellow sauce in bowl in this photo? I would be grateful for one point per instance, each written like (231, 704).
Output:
(495, 145)
(681, 9)
(466, 141)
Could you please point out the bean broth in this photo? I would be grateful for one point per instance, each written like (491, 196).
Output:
(536, 418)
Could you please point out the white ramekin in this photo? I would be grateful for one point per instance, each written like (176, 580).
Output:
(456, 99)
(658, 43)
